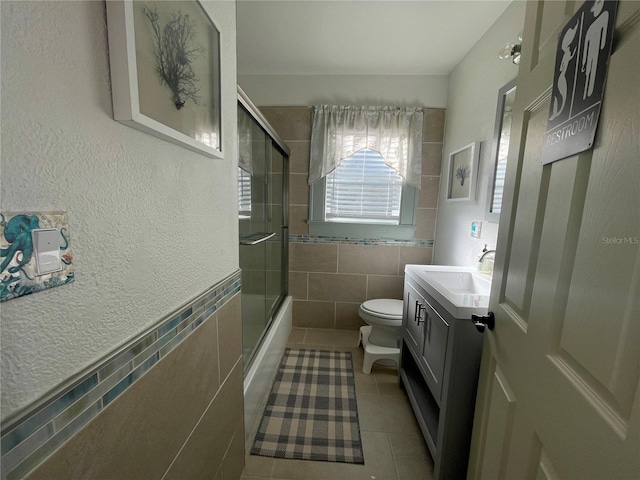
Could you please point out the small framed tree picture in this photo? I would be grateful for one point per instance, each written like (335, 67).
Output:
(463, 170)
(165, 71)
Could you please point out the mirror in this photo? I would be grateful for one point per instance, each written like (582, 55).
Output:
(500, 151)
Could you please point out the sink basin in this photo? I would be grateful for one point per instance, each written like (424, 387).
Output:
(460, 283)
(459, 290)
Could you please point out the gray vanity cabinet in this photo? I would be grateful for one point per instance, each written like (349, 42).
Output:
(440, 359)
(426, 332)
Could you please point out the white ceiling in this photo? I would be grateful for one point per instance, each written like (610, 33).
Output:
(364, 37)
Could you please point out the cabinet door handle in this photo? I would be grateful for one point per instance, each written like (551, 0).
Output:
(419, 310)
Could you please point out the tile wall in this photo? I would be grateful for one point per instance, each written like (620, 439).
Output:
(169, 405)
(328, 277)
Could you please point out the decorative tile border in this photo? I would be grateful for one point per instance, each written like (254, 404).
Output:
(30, 437)
(360, 241)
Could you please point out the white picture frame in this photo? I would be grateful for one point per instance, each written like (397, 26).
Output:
(142, 97)
(463, 172)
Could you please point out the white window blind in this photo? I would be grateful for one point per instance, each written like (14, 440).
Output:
(244, 192)
(363, 189)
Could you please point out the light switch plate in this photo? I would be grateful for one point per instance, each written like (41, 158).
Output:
(25, 271)
(476, 228)
(46, 248)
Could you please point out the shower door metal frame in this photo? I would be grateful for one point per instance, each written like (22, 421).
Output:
(249, 107)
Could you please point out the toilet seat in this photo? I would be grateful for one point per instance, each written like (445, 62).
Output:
(383, 311)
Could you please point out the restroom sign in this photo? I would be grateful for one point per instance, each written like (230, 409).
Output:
(582, 58)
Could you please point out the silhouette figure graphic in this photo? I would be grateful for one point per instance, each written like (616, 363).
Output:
(594, 41)
(561, 84)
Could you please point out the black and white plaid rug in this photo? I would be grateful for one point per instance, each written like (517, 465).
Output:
(311, 413)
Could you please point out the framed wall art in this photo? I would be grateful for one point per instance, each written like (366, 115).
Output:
(463, 171)
(165, 71)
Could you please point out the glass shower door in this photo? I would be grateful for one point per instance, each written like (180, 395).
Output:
(253, 232)
(263, 205)
(275, 277)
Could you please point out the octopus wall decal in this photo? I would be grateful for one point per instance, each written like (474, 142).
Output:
(17, 267)
(17, 232)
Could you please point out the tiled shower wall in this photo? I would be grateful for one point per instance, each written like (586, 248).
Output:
(329, 278)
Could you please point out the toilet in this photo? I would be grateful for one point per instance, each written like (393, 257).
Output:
(381, 337)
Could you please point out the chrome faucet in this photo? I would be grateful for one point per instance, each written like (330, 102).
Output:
(485, 266)
(486, 252)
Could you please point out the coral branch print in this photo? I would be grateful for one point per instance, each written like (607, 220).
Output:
(462, 173)
(175, 53)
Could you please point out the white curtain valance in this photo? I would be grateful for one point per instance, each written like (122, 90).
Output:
(338, 132)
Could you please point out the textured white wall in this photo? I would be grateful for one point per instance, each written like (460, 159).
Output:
(471, 109)
(152, 224)
(296, 90)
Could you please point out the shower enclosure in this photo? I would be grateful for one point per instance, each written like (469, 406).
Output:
(263, 219)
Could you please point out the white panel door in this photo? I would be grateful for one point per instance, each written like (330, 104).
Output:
(559, 385)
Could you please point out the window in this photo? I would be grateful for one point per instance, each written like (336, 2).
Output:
(364, 171)
(244, 193)
(363, 198)
(363, 189)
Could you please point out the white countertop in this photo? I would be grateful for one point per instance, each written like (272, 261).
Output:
(461, 291)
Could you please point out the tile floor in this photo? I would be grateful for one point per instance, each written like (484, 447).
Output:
(393, 445)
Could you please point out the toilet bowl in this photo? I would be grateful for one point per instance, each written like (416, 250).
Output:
(385, 317)
(381, 337)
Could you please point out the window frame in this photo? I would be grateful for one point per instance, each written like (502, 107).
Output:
(405, 230)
